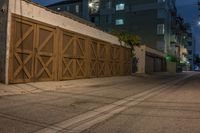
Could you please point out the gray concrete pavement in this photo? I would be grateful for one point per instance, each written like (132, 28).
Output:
(157, 103)
(175, 110)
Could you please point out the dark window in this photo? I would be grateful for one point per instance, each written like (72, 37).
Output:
(92, 19)
(107, 19)
(189, 52)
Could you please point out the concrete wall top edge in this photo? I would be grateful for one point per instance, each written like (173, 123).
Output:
(30, 10)
(150, 50)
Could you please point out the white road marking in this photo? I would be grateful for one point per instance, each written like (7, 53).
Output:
(86, 120)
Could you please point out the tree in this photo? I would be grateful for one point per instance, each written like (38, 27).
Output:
(129, 40)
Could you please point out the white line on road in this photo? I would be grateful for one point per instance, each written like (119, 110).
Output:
(86, 120)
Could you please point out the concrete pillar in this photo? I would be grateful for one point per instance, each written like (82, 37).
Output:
(3, 38)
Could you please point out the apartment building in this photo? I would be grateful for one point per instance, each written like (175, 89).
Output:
(150, 19)
(191, 50)
(75, 7)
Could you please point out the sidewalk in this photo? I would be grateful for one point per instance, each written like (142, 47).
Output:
(17, 89)
(36, 87)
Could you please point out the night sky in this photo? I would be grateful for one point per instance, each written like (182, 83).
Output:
(186, 8)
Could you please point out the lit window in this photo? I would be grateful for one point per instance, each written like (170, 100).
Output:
(120, 7)
(77, 8)
(160, 29)
(94, 6)
(119, 21)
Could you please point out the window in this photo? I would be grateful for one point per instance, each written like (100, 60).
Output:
(161, 13)
(161, 45)
(160, 29)
(77, 8)
(108, 4)
(108, 19)
(120, 7)
(161, 1)
(94, 6)
(190, 52)
(119, 22)
(67, 7)
(92, 19)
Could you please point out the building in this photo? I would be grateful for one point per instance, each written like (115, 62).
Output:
(56, 47)
(191, 50)
(152, 19)
(76, 7)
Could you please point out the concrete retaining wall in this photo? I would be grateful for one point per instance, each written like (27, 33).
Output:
(171, 67)
(42, 14)
(3, 25)
(36, 12)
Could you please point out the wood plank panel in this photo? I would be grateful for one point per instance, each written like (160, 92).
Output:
(93, 59)
(22, 51)
(45, 53)
(102, 59)
(41, 52)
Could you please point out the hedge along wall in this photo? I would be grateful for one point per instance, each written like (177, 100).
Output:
(37, 22)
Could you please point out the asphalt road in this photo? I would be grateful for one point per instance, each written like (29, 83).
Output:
(161, 103)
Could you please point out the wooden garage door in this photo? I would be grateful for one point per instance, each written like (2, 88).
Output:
(32, 52)
(117, 53)
(73, 54)
(111, 60)
(80, 57)
(93, 58)
(102, 59)
(126, 61)
(149, 67)
(22, 51)
(41, 52)
(45, 53)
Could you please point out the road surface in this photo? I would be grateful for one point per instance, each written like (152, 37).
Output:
(161, 103)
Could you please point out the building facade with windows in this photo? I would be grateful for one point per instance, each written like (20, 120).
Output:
(76, 7)
(150, 19)
(190, 46)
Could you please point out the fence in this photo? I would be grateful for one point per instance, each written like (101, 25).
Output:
(42, 52)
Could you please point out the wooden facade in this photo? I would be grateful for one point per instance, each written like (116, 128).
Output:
(42, 52)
